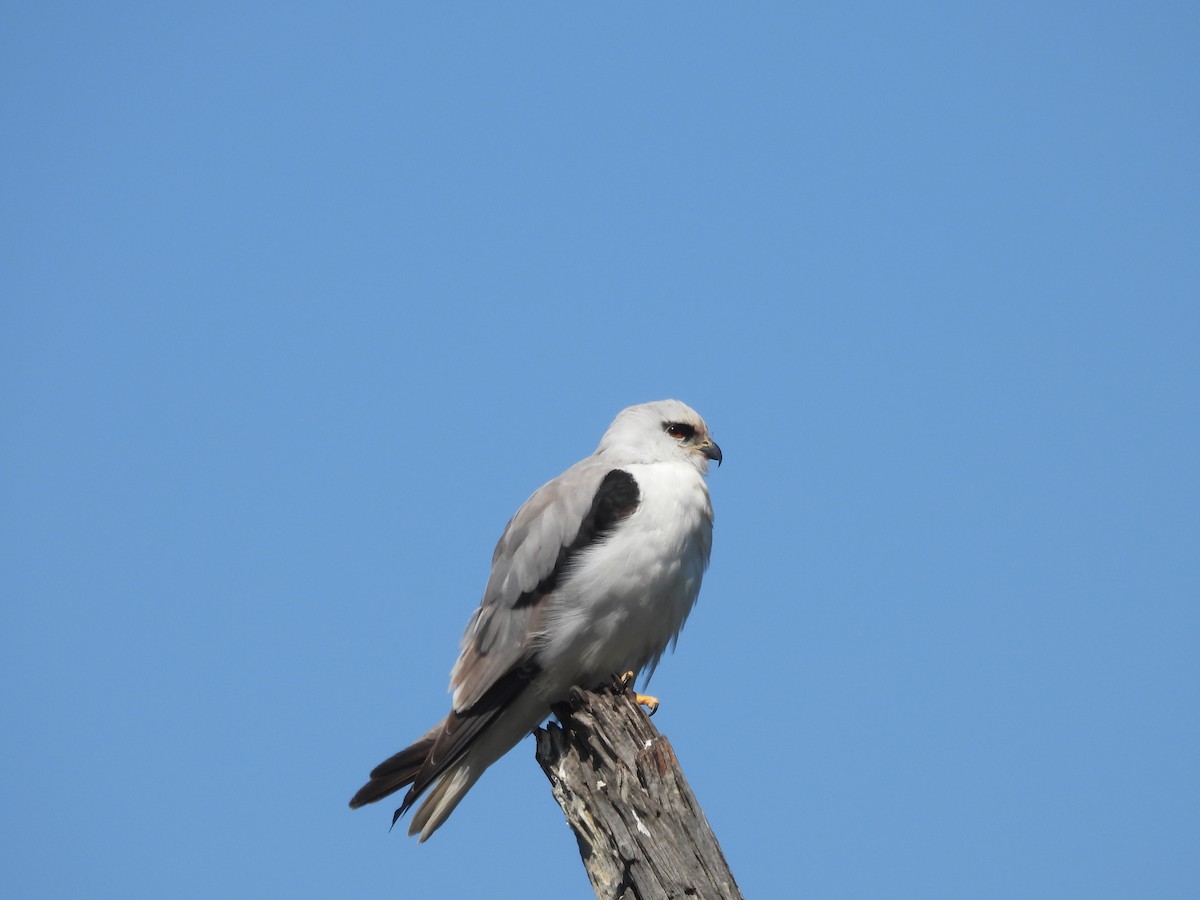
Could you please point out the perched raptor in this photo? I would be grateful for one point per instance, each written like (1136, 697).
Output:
(593, 576)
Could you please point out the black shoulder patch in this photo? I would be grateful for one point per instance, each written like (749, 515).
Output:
(616, 499)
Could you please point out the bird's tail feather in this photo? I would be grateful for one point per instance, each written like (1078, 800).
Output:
(439, 756)
(397, 771)
(450, 789)
(410, 767)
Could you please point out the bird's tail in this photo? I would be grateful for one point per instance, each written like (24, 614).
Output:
(451, 788)
(411, 766)
(396, 772)
(455, 752)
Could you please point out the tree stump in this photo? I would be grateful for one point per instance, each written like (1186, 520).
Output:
(641, 833)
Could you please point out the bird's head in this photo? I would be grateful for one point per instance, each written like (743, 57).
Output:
(662, 431)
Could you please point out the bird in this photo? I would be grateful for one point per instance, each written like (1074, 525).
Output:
(594, 575)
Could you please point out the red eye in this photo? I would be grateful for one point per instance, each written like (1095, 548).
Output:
(680, 431)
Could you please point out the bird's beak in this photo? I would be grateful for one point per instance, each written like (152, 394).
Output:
(711, 450)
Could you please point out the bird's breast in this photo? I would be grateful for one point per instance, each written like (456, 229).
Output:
(626, 598)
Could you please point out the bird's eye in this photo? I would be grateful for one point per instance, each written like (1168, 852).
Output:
(680, 431)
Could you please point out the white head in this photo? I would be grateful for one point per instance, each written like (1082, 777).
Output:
(661, 431)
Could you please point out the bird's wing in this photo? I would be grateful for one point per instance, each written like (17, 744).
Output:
(499, 653)
(563, 517)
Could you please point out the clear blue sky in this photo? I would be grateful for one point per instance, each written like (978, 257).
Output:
(300, 302)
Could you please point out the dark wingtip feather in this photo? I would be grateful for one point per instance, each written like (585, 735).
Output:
(394, 773)
(422, 763)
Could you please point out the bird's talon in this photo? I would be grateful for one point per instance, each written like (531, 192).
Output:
(623, 683)
(651, 703)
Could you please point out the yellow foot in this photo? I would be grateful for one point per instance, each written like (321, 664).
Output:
(625, 682)
(651, 703)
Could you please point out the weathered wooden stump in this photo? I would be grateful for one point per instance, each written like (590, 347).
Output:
(641, 833)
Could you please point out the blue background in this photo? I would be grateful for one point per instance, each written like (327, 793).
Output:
(301, 301)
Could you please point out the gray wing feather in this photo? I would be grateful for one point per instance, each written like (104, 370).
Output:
(500, 634)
